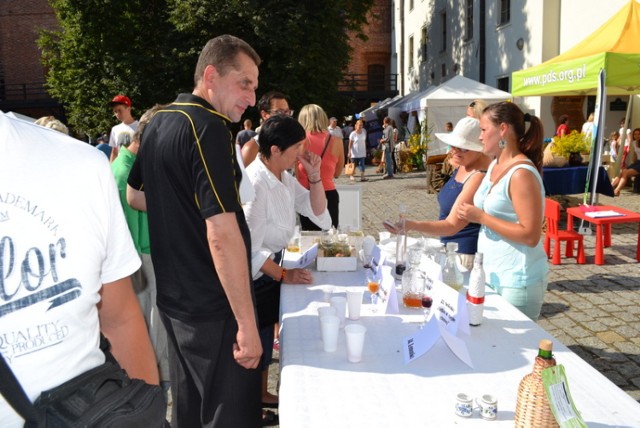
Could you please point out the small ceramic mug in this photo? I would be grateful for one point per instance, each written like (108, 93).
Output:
(464, 405)
(488, 406)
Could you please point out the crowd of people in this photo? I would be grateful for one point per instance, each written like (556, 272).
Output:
(194, 227)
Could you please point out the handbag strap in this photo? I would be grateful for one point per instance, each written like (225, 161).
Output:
(15, 395)
(326, 144)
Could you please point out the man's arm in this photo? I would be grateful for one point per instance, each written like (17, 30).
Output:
(230, 258)
(136, 199)
(249, 152)
(121, 321)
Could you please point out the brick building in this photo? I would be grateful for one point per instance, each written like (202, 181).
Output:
(369, 77)
(22, 76)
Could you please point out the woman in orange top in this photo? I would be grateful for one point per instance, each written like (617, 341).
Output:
(315, 122)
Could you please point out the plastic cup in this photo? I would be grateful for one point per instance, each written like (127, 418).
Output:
(340, 303)
(327, 310)
(327, 291)
(354, 303)
(355, 341)
(330, 326)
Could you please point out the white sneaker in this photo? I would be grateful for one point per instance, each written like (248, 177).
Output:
(352, 178)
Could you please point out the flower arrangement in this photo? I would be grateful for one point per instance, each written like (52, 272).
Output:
(417, 145)
(574, 142)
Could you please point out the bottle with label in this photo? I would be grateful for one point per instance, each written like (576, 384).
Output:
(401, 244)
(532, 405)
(451, 275)
(475, 294)
(413, 279)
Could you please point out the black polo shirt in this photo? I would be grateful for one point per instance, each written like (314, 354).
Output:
(188, 170)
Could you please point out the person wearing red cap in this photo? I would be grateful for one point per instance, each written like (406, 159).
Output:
(121, 106)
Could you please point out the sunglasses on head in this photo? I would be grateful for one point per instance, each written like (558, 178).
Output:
(473, 104)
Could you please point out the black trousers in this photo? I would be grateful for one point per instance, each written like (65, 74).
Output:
(209, 388)
(333, 202)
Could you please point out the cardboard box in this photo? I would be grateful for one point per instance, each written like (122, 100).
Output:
(336, 264)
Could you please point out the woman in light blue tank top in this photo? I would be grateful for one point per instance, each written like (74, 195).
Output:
(509, 205)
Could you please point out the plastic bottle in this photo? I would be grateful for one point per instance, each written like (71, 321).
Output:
(532, 405)
(451, 275)
(475, 294)
(401, 243)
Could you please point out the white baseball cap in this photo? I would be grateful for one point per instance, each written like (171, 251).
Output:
(466, 135)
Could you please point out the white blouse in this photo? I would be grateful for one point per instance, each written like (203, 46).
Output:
(272, 214)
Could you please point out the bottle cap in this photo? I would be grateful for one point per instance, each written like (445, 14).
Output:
(546, 345)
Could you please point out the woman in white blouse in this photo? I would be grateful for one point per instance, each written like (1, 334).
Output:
(272, 219)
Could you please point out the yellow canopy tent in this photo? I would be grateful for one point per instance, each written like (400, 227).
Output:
(614, 47)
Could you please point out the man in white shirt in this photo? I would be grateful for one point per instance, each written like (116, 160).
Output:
(121, 106)
(335, 130)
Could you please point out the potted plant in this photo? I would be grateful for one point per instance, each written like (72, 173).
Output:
(570, 146)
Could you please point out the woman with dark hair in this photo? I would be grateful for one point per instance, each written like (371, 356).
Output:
(563, 128)
(271, 217)
(509, 206)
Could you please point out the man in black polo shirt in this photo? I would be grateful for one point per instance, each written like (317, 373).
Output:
(200, 242)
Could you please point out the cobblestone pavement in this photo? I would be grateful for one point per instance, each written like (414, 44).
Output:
(594, 310)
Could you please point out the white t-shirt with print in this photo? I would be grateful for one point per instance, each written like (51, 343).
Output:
(122, 128)
(62, 235)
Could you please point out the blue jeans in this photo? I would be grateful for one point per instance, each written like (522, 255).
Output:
(388, 162)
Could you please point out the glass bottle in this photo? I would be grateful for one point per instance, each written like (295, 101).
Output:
(532, 405)
(413, 279)
(451, 275)
(475, 294)
(401, 243)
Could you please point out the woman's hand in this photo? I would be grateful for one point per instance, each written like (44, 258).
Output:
(311, 163)
(470, 213)
(298, 276)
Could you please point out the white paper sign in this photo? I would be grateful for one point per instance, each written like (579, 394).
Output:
(450, 308)
(377, 258)
(418, 344)
(388, 285)
(291, 262)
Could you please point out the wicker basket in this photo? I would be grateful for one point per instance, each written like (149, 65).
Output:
(532, 406)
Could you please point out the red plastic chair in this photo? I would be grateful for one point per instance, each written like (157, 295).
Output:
(552, 216)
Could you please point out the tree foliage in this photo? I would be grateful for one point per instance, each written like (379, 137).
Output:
(147, 49)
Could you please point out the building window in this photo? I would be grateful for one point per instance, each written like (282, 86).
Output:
(410, 53)
(469, 20)
(423, 44)
(443, 70)
(504, 15)
(502, 83)
(443, 26)
(376, 76)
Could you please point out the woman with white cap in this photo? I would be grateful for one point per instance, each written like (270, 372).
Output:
(466, 151)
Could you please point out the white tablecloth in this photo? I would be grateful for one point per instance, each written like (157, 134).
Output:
(319, 389)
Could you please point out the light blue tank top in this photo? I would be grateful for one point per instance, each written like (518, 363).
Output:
(507, 263)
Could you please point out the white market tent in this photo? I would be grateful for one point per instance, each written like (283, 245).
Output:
(449, 101)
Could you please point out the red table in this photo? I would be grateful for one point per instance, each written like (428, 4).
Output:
(603, 225)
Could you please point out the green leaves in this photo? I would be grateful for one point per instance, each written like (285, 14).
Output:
(147, 49)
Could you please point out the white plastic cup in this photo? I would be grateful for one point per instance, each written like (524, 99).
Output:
(327, 291)
(327, 310)
(355, 341)
(330, 326)
(354, 303)
(384, 236)
(340, 303)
